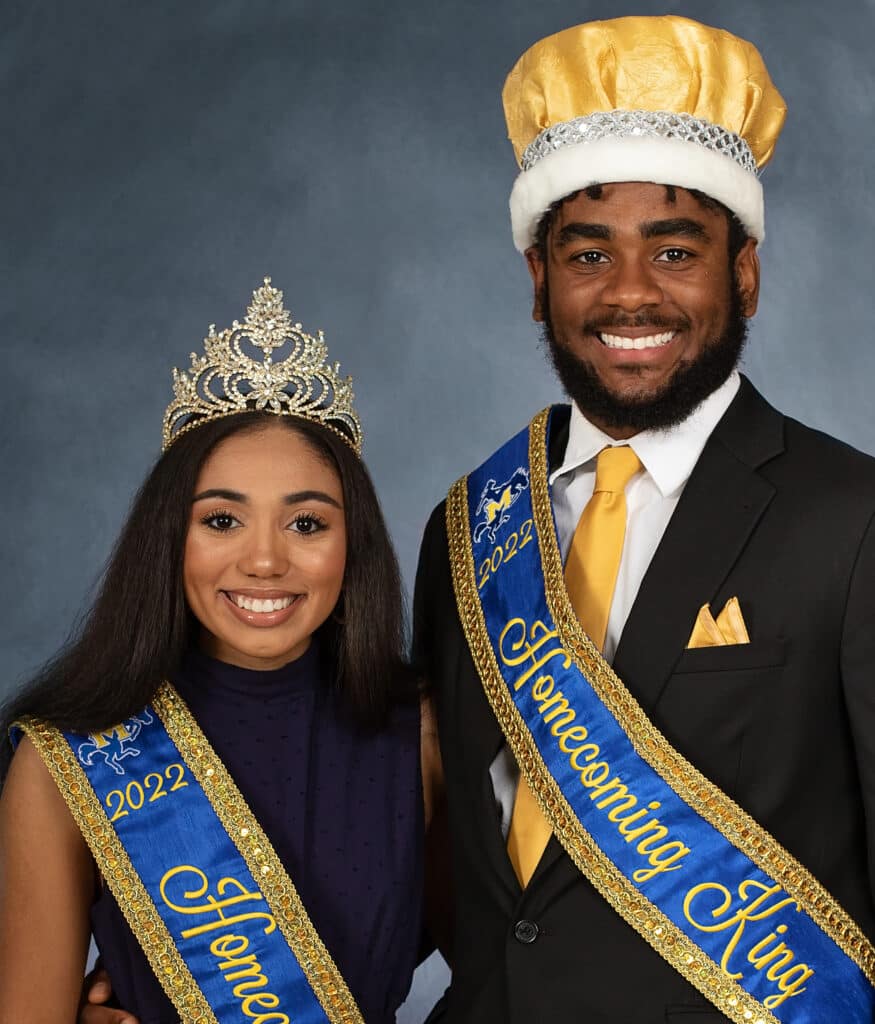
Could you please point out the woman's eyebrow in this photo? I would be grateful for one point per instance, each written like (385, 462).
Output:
(299, 496)
(295, 498)
(221, 492)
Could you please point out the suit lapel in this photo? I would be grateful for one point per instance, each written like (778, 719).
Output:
(721, 505)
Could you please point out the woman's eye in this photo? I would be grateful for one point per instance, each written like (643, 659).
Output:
(221, 521)
(307, 524)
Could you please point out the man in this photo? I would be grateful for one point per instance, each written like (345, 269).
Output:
(726, 571)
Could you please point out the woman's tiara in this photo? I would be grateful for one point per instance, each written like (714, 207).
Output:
(231, 378)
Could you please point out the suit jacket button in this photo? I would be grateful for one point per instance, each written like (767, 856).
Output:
(525, 931)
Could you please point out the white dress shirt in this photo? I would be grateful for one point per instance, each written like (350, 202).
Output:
(668, 458)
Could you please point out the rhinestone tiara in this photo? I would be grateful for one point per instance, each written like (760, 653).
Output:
(231, 378)
(664, 124)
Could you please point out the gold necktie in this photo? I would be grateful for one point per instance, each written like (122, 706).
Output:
(590, 577)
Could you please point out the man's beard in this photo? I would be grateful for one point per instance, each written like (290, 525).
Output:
(689, 385)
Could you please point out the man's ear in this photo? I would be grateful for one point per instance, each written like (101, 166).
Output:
(537, 272)
(747, 274)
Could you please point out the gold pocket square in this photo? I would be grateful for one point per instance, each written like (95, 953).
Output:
(727, 628)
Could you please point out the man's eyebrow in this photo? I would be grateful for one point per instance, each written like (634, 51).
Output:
(221, 492)
(681, 227)
(577, 230)
(298, 496)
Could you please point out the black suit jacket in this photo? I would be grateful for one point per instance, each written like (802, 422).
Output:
(781, 517)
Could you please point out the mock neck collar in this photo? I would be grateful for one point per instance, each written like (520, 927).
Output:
(204, 672)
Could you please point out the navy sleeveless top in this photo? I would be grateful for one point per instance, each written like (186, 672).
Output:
(342, 806)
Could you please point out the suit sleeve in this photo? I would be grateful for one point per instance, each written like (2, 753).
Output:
(430, 574)
(858, 676)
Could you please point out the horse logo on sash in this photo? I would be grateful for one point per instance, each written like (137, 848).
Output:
(115, 744)
(496, 500)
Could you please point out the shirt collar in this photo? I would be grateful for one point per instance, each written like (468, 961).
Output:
(668, 455)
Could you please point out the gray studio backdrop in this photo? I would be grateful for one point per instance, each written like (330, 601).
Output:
(161, 158)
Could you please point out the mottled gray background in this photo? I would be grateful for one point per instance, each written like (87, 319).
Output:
(159, 159)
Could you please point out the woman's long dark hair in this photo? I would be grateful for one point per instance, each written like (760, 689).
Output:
(139, 626)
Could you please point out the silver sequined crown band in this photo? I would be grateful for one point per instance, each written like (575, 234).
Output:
(640, 123)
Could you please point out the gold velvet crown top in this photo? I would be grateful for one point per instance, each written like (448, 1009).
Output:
(230, 378)
(667, 63)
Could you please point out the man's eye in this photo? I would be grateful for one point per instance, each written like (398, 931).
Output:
(591, 256)
(221, 521)
(673, 255)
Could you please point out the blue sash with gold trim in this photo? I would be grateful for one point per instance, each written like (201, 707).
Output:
(699, 879)
(198, 880)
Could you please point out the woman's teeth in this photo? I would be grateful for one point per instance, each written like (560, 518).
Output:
(651, 341)
(254, 604)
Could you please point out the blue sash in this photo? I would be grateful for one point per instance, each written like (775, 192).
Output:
(699, 879)
(196, 877)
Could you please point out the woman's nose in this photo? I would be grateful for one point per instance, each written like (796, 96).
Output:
(266, 553)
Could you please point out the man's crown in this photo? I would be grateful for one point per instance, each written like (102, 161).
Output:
(227, 380)
(662, 99)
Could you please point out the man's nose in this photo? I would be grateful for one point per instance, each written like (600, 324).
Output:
(266, 553)
(631, 284)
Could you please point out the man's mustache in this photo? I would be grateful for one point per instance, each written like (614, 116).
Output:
(641, 320)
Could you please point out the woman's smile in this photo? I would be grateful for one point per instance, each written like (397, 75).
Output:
(261, 609)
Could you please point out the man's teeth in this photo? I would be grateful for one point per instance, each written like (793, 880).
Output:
(254, 604)
(651, 341)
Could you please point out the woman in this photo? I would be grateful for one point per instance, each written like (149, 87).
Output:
(248, 838)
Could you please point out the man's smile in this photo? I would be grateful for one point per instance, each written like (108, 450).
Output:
(635, 341)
